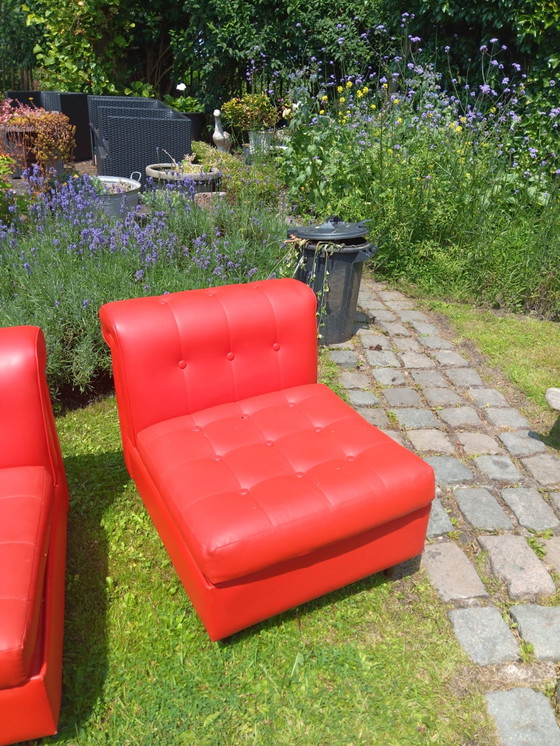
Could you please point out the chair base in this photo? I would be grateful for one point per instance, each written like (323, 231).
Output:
(229, 607)
(31, 710)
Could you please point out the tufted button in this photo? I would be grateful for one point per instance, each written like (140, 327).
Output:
(210, 295)
(244, 416)
(243, 492)
(318, 429)
(299, 474)
(276, 346)
(196, 429)
(350, 458)
(230, 356)
(216, 458)
(182, 364)
(163, 301)
(268, 442)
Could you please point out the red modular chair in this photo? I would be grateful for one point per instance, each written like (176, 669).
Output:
(266, 488)
(33, 512)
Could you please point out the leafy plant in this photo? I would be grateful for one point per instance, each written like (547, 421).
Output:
(253, 111)
(33, 135)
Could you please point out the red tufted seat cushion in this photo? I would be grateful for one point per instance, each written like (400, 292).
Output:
(26, 495)
(256, 482)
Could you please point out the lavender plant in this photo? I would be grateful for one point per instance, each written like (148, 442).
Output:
(64, 257)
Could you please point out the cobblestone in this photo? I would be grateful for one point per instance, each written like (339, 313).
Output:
(439, 523)
(477, 443)
(523, 718)
(484, 635)
(539, 625)
(449, 470)
(481, 509)
(521, 443)
(402, 397)
(452, 573)
(530, 509)
(493, 472)
(500, 468)
(545, 468)
(518, 566)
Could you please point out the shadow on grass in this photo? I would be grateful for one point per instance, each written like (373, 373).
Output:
(94, 480)
(391, 574)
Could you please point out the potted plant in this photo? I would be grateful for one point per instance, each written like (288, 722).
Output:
(255, 114)
(117, 194)
(31, 135)
(187, 174)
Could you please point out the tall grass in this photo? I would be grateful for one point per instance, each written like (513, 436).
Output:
(461, 199)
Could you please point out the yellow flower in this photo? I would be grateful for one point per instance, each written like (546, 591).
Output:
(385, 86)
(359, 94)
(463, 120)
(321, 111)
(365, 90)
(349, 84)
(324, 98)
(340, 89)
(342, 99)
(396, 101)
(399, 121)
(373, 107)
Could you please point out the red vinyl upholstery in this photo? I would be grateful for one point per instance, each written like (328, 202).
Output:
(266, 488)
(33, 511)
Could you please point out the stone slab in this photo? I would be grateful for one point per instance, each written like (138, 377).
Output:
(373, 341)
(484, 635)
(451, 572)
(412, 417)
(406, 344)
(539, 625)
(388, 376)
(424, 327)
(354, 380)
(530, 509)
(408, 315)
(449, 358)
(402, 397)
(523, 717)
(430, 440)
(475, 443)
(506, 417)
(360, 398)
(514, 562)
(439, 523)
(436, 343)
(481, 509)
(457, 417)
(394, 329)
(429, 378)
(521, 443)
(344, 358)
(382, 315)
(449, 470)
(488, 397)
(498, 468)
(400, 305)
(417, 360)
(552, 549)
(441, 397)
(382, 359)
(464, 377)
(374, 416)
(545, 468)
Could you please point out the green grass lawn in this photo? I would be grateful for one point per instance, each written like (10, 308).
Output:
(521, 355)
(375, 663)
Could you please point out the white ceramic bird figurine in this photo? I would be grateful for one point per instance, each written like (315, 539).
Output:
(222, 139)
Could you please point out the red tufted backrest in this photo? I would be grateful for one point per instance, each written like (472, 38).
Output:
(27, 429)
(179, 353)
